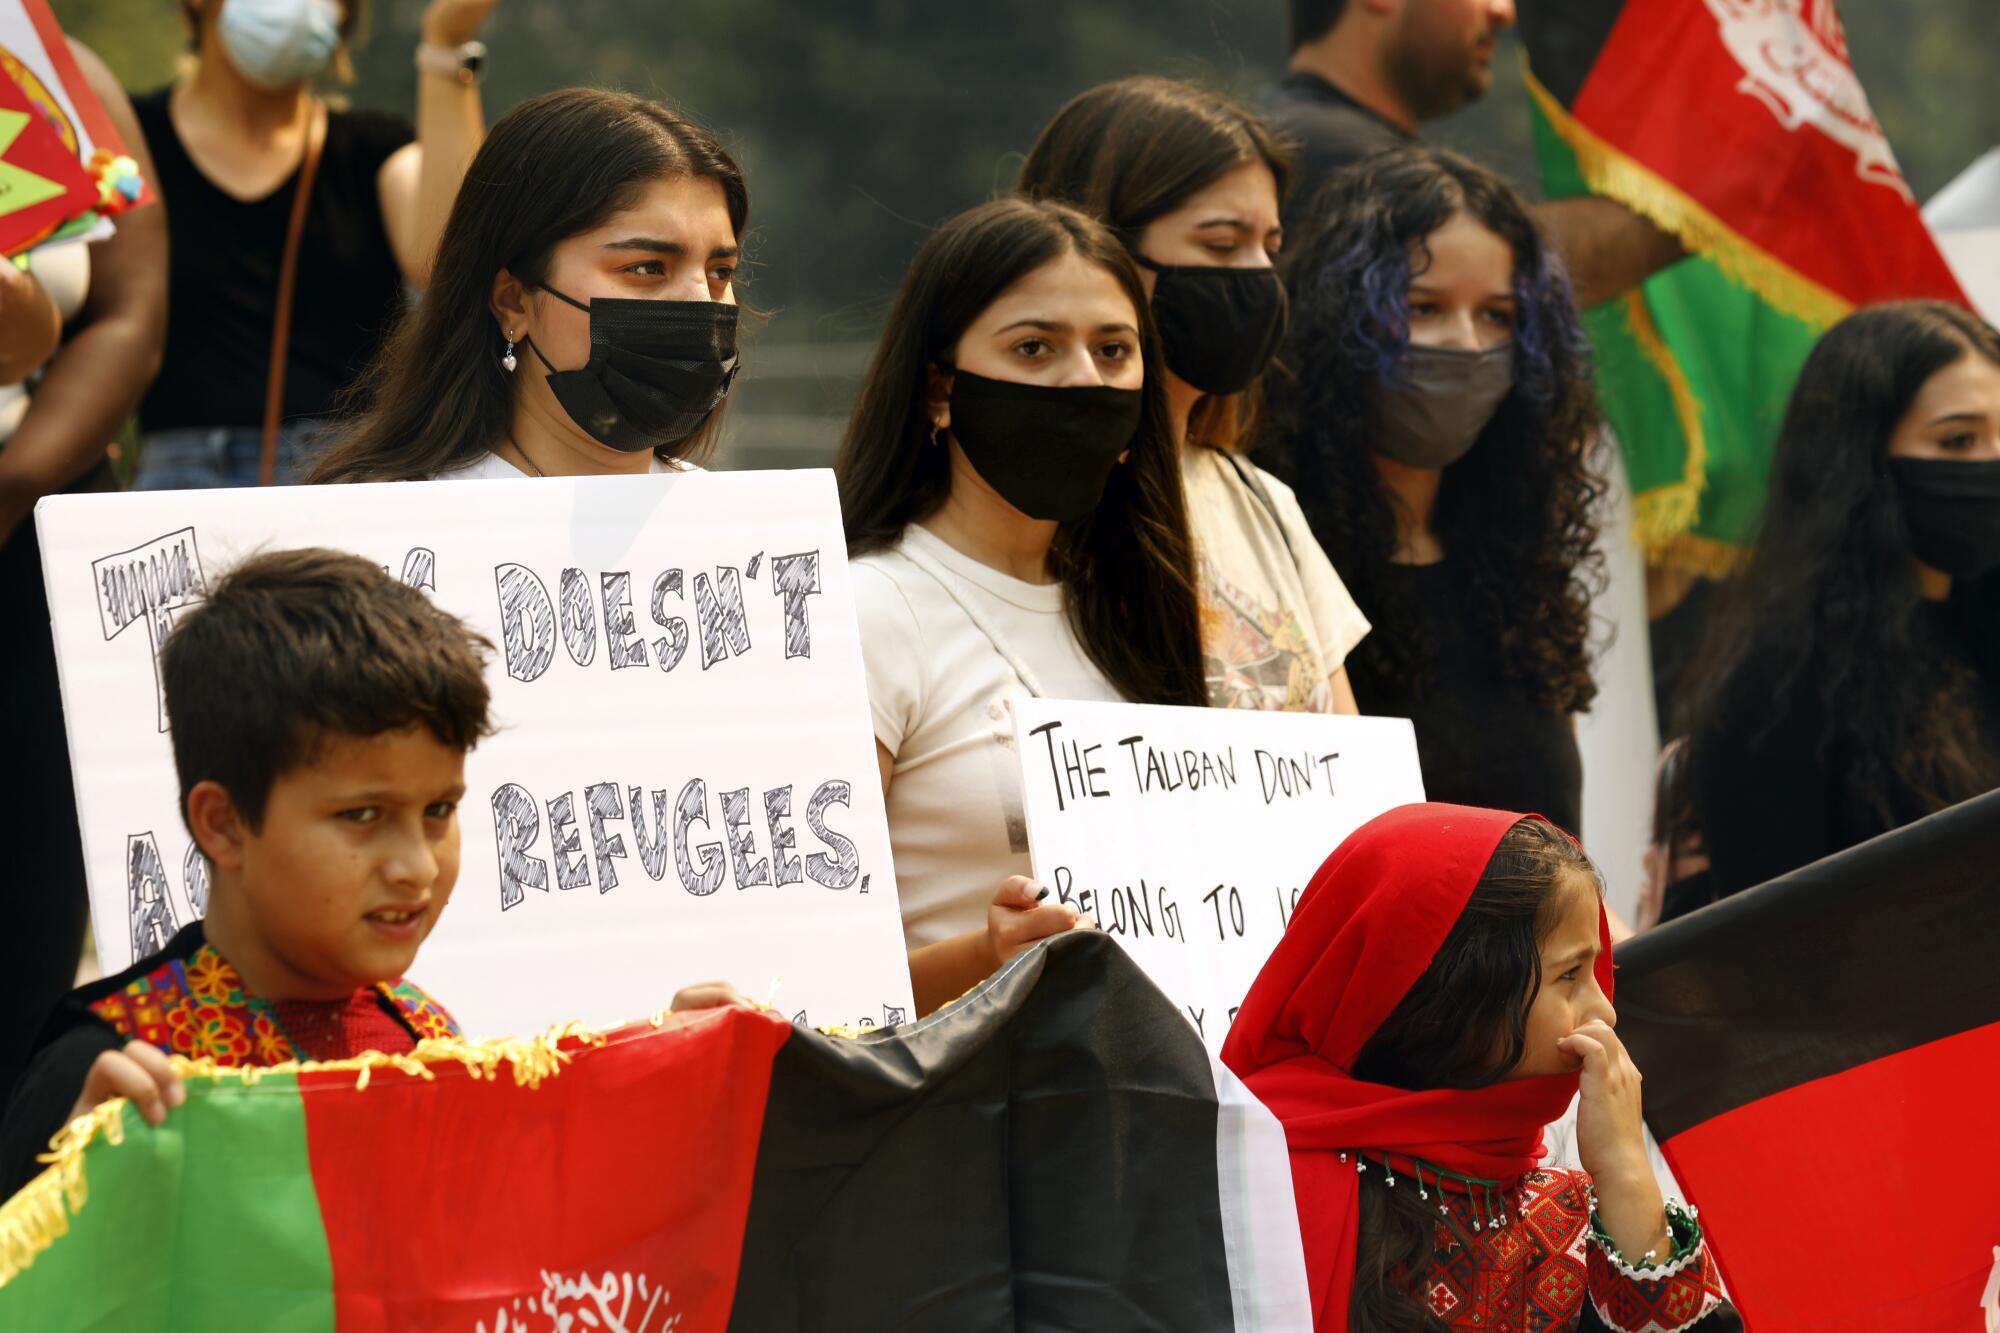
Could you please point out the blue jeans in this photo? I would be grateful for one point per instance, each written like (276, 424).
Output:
(205, 457)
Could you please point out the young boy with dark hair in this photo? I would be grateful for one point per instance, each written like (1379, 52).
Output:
(321, 715)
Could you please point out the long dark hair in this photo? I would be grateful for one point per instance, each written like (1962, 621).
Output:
(1127, 570)
(1133, 151)
(556, 165)
(1464, 1024)
(1830, 603)
(1516, 514)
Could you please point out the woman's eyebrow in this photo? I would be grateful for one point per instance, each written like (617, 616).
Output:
(647, 243)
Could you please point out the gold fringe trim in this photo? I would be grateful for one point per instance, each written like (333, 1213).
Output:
(1706, 556)
(31, 1221)
(1666, 512)
(39, 1214)
(1615, 175)
(533, 1059)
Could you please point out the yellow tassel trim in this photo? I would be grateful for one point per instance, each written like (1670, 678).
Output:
(31, 1221)
(1615, 175)
(1705, 556)
(1666, 512)
(35, 1217)
(533, 1059)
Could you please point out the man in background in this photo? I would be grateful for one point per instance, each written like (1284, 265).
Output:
(1366, 74)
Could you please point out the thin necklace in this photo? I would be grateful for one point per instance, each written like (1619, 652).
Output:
(523, 454)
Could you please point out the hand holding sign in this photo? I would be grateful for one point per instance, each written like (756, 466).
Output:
(1189, 833)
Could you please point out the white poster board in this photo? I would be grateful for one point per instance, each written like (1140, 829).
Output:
(1189, 833)
(683, 784)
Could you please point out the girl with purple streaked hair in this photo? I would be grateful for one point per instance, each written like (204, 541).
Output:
(1435, 415)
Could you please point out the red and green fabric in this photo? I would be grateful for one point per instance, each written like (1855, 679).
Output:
(1055, 1150)
(1822, 1059)
(1740, 127)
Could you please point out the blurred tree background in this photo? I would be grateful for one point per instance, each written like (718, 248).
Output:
(863, 123)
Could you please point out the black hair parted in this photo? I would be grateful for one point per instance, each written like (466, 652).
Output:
(293, 646)
(1132, 151)
(1127, 569)
(435, 397)
(1830, 602)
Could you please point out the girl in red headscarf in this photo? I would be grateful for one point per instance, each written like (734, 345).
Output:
(1442, 992)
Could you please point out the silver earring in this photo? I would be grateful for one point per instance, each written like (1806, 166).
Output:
(937, 434)
(507, 358)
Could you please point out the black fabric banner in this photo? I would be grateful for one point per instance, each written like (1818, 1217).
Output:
(1880, 948)
(1039, 1155)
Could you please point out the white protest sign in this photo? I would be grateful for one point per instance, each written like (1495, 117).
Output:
(683, 784)
(1189, 833)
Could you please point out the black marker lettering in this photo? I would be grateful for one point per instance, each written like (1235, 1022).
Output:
(795, 578)
(692, 808)
(840, 870)
(517, 822)
(742, 846)
(601, 800)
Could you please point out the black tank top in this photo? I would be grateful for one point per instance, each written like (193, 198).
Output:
(224, 277)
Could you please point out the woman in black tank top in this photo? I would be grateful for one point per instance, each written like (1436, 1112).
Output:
(230, 145)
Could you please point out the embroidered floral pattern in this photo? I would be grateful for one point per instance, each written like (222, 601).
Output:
(196, 1007)
(1533, 1273)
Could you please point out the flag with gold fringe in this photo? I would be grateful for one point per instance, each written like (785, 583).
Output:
(1055, 1150)
(1741, 127)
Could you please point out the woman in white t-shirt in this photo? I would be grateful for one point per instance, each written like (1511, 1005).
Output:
(1193, 183)
(1014, 514)
(581, 317)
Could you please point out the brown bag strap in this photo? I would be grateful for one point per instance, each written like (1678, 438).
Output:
(288, 272)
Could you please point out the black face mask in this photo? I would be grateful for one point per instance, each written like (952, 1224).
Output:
(1953, 510)
(656, 370)
(1219, 326)
(1048, 451)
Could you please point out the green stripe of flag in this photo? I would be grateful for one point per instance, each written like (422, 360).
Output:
(1695, 370)
(145, 1249)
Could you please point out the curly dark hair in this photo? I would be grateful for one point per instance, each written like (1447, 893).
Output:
(1517, 513)
(1829, 602)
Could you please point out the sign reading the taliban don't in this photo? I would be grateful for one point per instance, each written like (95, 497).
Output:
(682, 785)
(1188, 834)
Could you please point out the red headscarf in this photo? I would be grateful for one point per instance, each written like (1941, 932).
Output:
(1364, 932)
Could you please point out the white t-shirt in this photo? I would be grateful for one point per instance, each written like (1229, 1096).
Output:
(492, 467)
(1276, 621)
(939, 690)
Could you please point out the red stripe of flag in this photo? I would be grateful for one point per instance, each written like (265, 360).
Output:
(1701, 92)
(621, 1184)
(1864, 1202)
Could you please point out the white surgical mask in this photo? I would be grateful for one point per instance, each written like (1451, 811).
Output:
(278, 44)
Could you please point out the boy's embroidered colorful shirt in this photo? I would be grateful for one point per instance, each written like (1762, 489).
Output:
(1533, 1272)
(196, 1006)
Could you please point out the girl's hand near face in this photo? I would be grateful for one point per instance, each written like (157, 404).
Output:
(1611, 1140)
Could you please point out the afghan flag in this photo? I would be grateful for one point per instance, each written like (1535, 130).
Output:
(1740, 127)
(1055, 1150)
(1822, 1059)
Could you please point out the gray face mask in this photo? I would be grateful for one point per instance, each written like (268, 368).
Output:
(1442, 398)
